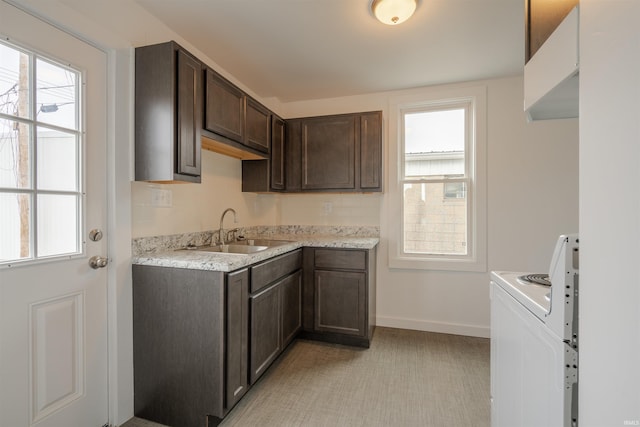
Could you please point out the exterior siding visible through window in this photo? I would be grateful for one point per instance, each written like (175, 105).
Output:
(440, 190)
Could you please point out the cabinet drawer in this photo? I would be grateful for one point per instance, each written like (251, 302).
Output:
(275, 268)
(342, 259)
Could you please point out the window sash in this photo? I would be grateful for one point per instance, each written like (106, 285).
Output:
(467, 107)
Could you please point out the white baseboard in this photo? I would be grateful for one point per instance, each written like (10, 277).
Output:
(428, 326)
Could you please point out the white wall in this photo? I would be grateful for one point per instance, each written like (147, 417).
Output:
(533, 197)
(609, 213)
(197, 207)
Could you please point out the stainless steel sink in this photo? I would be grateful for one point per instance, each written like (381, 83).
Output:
(261, 242)
(237, 249)
(241, 247)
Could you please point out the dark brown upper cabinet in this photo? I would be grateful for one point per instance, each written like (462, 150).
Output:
(542, 17)
(335, 153)
(371, 151)
(328, 152)
(257, 125)
(277, 163)
(224, 108)
(266, 175)
(235, 116)
(168, 114)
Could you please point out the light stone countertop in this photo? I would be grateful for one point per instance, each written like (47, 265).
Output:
(216, 261)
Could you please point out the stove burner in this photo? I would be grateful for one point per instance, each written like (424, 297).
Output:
(538, 279)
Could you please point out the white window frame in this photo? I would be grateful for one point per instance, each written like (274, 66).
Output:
(475, 167)
(34, 190)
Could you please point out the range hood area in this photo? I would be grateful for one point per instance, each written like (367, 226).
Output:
(551, 76)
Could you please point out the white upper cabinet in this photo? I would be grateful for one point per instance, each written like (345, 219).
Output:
(551, 75)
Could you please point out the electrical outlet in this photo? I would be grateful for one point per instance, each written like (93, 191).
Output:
(161, 198)
(327, 207)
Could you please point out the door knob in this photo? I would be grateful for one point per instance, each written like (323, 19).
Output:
(95, 235)
(96, 262)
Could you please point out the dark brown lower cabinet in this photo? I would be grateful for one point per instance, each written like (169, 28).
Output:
(291, 294)
(202, 338)
(340, 302)
(339, 295)
(237, 331)
(275, 320)
(265, 330)
(190, 347)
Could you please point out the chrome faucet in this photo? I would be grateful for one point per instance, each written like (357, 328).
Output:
(221, 231)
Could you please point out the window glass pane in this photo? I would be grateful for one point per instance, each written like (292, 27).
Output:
(57, 160)
(15, 154)
(434, 143)
(14, 82)
(455, 190)
(57, 229)
(56, 96)
(15, 226)
(434, 223)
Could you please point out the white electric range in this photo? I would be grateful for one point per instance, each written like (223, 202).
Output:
(534, 343)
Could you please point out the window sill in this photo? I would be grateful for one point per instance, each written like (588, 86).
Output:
(440, 263)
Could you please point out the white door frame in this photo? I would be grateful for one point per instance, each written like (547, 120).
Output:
(119, 282)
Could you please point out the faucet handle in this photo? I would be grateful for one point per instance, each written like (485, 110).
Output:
(234, 232)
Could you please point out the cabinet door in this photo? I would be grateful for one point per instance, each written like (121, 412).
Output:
(168, 111)
(293, 156)
(291, 290)
(371, 151)
(265, 330)
(328, 153)
(340, 298)
(277, 153)
(189, 112)
(236, 329)
(224, 108)
(258, 126)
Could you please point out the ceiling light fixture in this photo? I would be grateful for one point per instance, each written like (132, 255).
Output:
(393, 12)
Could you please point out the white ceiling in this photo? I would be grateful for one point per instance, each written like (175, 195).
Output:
(309, 49)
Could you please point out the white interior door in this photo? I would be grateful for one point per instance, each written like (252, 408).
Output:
(53, 304)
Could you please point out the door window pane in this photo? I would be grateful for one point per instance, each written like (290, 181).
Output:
(14, 82)
(56, 95)
(57, 224)
(40, 157)
(15, 154)
(15, 226)
(57, 160)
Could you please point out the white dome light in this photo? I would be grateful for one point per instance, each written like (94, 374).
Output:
(393, 12)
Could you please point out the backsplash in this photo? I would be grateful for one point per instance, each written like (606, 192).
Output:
(142, 245)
